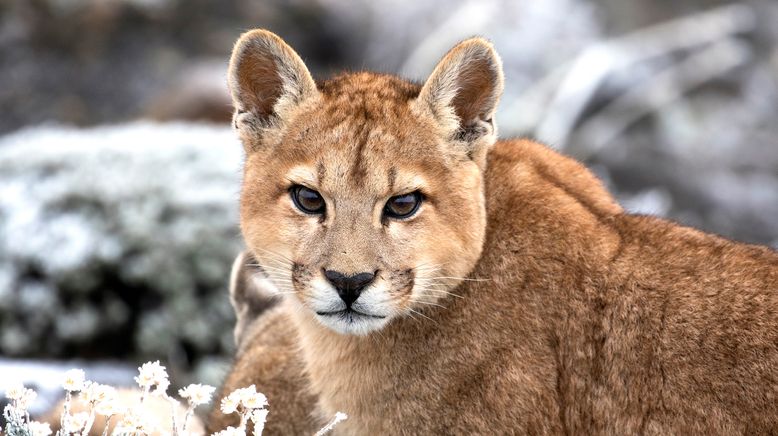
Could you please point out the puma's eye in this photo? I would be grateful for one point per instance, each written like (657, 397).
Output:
(307, 200)
(403, 206)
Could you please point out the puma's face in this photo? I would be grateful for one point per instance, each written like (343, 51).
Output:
(362, 197)
(360, 212)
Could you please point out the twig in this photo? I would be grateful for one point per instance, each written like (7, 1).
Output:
(656, 92)
(586, 73)
(327, 428)
(469, 18)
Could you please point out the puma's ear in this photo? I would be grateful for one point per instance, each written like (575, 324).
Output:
(266, 78)
(251, 294)
(463, 91)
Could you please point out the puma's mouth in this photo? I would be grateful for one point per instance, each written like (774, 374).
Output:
(347, 313)
(352, 322)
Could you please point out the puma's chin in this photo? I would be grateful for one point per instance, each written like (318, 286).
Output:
(351, 321)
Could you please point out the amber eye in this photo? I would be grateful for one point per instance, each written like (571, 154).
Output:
(307, 200)
(403, 206)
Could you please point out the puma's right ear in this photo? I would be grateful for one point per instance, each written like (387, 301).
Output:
(266, 78)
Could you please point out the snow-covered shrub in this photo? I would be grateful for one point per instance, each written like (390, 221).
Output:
(117, 241)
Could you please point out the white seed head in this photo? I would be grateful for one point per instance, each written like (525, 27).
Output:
(109, 407)
(257, 400)
(15, 391)
(25, 399)
(152, 374)
(197, 394)
(95, 393)
(136, 421)
(76, 422)
(230, 404)
(74, 380)
(40, 428)
(250, 398)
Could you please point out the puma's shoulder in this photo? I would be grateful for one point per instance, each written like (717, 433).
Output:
(526, 165)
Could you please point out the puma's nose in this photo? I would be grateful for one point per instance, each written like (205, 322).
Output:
(349, 287)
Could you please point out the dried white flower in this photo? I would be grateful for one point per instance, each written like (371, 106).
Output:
(97, 393)
(109, 407)
(39, 428)
(259, 417)
(230, 404)
(152, 374)
(128, 424)
(74, 380)
(197, 394)
(256, 400)
(26, 398)
(250, 398)
(231, 431)
(136, 421)
(76, 422)
(15, 392)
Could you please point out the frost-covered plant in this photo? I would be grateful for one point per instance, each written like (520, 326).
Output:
(17, 419)
(136, 419)
(250, 405)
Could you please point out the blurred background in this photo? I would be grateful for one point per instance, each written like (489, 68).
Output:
(119, 174)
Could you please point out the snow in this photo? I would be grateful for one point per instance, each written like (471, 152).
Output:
(46, 377)
(117, 231)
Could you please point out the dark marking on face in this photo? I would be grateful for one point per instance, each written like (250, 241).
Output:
(321, 172)
(391, 178)
(364, 120)
(402, 280)
(299, 273)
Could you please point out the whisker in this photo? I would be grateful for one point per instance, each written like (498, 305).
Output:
(457, 278)
(442, 292)
(275, 254)
(422, 315)
(277, 269)
(430, 304)
(429, 265)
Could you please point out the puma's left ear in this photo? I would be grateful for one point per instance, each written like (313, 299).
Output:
(266, 79)
(463, 91)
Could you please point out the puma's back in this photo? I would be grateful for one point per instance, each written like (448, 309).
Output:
(653, 327)
(428, 279)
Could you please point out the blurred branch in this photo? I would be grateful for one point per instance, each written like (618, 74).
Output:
(668, 85)
(469, 18)
(573, 85)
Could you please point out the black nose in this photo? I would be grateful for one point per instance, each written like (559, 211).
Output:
(349, 287)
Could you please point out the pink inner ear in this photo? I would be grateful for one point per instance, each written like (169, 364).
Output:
(476, 94)
(259, 82)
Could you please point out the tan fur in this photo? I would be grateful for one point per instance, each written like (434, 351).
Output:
(575, 317)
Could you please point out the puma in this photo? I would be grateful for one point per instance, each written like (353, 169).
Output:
(407, 268)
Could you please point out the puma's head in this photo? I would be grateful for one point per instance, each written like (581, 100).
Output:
(362, 195)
